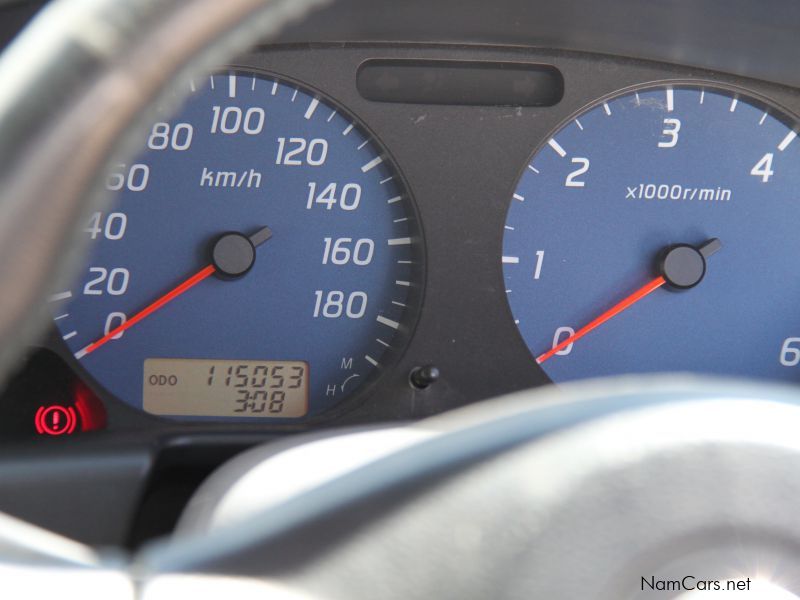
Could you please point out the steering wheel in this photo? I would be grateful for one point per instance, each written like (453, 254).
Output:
(610, 489)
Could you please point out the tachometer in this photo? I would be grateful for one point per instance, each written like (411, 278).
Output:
(263, 259)
(656, 231)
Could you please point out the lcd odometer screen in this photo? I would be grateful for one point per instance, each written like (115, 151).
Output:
(225, 388)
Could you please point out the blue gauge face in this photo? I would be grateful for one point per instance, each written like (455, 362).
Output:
(656, 232)
(261, 260)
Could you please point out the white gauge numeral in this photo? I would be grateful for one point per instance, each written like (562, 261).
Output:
(299, 151)
(232, 120)
(763, 168)
(341, 251)
(561, 334)
(790, 352)
(572, 178)
(134, 178)
(113, 282)
(671, 129)
(114, 320)
(537, 271)
(164, 136)
(336, 303)
(111, 226)
(348, 197)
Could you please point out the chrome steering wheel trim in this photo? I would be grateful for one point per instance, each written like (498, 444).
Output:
(540, 494)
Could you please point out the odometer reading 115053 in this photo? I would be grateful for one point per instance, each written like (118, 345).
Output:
(263, 230)
(656, 231)
(233, 388)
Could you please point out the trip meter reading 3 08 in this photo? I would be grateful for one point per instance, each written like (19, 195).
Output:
(262, 259)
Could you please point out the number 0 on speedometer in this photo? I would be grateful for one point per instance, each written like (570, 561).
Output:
(262, 259)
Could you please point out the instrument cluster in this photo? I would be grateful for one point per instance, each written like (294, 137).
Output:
(351, 234)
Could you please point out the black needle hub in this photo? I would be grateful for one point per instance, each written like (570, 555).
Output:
(684, 266)
(234, 254)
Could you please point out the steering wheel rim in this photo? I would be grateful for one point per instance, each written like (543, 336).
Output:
(77, 60)
(451, 517)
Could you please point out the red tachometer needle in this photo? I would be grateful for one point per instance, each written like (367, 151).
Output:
(682, 267)
(609, 314)
(204, 273)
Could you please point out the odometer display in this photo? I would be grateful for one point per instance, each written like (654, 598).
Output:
(225, 388)
(656, 231)
(263, 223)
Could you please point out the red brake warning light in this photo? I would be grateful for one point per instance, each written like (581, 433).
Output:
(86, 413)
(55, 420)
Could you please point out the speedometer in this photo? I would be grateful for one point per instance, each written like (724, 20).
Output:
(656, 232)
(262, 259)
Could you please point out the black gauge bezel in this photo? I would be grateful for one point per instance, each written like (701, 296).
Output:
(351, 401)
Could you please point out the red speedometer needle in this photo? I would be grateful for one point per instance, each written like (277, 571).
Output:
(682, 266)
(202, 274)
(612, 312)
(233, 255)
